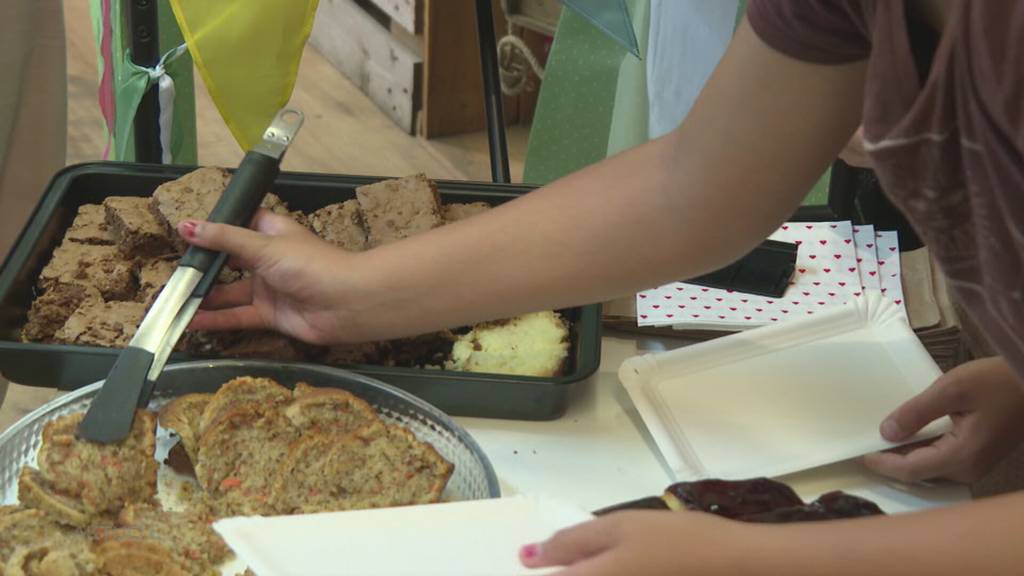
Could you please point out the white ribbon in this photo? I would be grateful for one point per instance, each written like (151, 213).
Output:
(165, 98)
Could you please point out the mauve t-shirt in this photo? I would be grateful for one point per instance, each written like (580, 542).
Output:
(944, 127)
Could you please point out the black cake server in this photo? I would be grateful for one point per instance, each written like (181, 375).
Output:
(130, 382)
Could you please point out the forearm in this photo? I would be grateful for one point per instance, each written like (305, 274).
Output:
(981, 537)
(611, 229)
(671, 209)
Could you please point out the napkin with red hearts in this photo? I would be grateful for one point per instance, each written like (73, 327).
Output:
(836, 262)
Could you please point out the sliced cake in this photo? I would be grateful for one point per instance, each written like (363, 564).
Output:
(262, 392)
(456, 212)
(238, 455)
(374, 467)
(103, 477)
(530, 345)
(182, 415)
(319, 409)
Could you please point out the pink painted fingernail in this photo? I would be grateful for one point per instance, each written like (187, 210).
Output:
(188, 228)
(529, 552)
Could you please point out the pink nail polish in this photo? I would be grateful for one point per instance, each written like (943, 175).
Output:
(188, 228)
(529, 552)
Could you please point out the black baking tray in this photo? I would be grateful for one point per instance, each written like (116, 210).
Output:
(70, 367)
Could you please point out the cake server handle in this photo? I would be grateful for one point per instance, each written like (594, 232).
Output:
(131, 380)
(249, 184)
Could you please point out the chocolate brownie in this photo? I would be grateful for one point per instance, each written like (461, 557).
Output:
(110, 324)
(153, 276)
(431, 349)
(268, 345)
(139, 233)
(258, 344)
(99, 266)
(51, 310)
(90, 226)
(341, 225)
(396, 209)
(456, 212)
(347, 354)
(193, 196)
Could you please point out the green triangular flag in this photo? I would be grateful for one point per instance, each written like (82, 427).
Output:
(612, 17)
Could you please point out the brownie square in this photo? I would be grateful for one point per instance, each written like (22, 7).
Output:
(266, 345)
(456, 212)
(90, 226)
(101, 267)
(193, 197)
(153, 276)
(139, 233)
(347, 354)
(51, 310)
(95, 323)
(425, 350)
(341, 225)
(396, 209)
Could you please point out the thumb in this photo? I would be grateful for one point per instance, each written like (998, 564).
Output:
(569, 545)
(241, 244)
(947, 395)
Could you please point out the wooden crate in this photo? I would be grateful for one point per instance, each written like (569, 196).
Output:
(453, 96)
(364, 49)
(418, 60)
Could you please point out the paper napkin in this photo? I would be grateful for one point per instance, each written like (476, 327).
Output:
(836, 263)
(889, 266)
(867, 256)
(826, 275)
(471, 538)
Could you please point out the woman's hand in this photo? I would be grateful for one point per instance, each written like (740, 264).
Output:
(298, 285)
(984, 398)
(653, 543)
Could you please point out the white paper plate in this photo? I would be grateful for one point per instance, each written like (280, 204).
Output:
(782, 398)
(468, 538)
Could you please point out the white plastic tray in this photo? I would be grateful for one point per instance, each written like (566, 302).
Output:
(785, 397)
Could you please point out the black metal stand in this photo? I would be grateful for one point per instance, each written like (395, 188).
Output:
(492, 92)
(145, 46)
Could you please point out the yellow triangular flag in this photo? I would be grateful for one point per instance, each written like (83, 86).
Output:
(248, 53)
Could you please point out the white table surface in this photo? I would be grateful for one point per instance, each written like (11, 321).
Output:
(599, 453)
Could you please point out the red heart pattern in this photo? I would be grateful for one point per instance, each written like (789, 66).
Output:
(852, 255)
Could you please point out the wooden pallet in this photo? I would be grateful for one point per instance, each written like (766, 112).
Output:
(418, 60)
(353, 38)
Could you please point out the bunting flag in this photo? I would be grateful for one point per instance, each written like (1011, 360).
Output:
(122, 85)
(248, 53)
(611, 17)
(103, 31)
